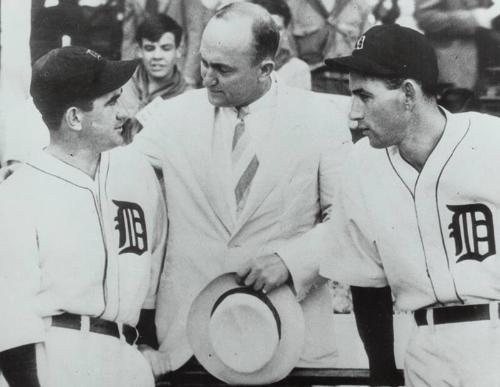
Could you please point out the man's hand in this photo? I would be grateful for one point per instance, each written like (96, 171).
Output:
(155, 360)
(264, 273)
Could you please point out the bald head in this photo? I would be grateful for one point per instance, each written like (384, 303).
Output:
(237, 54)
(257, 22)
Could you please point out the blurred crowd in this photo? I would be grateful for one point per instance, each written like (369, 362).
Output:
(465, 34)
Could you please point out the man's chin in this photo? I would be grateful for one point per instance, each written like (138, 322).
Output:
(374, 143)
(217, 99)
(160, 76)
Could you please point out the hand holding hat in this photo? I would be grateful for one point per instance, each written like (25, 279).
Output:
(264, 273)
(246, 337)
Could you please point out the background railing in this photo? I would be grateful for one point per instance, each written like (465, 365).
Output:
(298, 377)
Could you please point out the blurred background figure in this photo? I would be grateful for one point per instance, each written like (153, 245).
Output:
(191, 15)
(96, 24)
(462, 35)
(328, 29)
(291, 70)
(386, 11)
(159, 37)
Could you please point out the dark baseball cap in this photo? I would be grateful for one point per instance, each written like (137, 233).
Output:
(72, 73)
(391, 51)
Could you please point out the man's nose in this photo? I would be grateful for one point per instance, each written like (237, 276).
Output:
(157, 52)
(356, 112)
(209, 78)
(121, 114)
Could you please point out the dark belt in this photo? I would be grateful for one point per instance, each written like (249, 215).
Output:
(454, 314)
(96, 325)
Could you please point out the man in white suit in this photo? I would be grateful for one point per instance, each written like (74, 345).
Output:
(249, 165)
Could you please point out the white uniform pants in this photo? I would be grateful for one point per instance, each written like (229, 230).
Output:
(454, 355)
(76, 358)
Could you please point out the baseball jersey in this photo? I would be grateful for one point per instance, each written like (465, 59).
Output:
(70, 243)
(430, 235)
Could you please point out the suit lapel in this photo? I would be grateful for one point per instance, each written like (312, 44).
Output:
(205, 164)
(274, 152)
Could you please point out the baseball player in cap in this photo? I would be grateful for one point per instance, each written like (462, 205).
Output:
(81, 242)
(421, 213)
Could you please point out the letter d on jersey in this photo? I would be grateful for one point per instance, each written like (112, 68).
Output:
(472, 228)
(131, 225)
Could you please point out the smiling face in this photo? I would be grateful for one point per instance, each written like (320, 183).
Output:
(227, 63)
(102, 126)
(379, 111)
(160, 58)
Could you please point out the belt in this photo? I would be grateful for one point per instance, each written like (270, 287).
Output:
(96, 325)
(454, 314)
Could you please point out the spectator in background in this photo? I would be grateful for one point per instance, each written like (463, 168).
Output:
(158, 75)
(452, 26)
(327, 29)
(386, 11)
(291, 70)
(191, 15)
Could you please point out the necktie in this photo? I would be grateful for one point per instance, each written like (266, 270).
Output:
(244, 161)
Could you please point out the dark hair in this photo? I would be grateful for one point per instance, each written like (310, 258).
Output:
(396, 83)
(276, 7)
(264, 30)
(154, 26)
(52, 113)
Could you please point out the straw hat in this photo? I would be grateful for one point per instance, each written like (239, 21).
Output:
(246, 337)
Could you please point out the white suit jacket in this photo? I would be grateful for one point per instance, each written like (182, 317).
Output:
(291, 192)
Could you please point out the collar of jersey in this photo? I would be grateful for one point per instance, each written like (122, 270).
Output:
(51, 165)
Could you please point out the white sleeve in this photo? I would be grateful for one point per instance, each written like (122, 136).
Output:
(336, 144)
(159, 242)
(20, 323)
(343, 245)
(150, 140)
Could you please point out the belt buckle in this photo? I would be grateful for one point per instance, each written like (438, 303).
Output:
(136, 338)
(130, 328)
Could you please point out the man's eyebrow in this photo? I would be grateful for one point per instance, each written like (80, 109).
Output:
(216, 64)
(114, 98)
(359, 91)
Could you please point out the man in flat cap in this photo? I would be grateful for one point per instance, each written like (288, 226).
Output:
(417, 208)
(81, 242)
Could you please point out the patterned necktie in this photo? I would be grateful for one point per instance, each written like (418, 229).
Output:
(244, 161)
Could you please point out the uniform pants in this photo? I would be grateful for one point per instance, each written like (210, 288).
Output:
(457, 354)
(80, 358)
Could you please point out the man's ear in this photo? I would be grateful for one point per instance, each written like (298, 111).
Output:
(266, 67)
(73, 117)
(409, 88)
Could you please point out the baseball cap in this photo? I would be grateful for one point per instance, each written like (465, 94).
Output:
(73, 73)
(391, 51)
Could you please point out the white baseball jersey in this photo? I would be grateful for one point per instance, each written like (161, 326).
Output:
(431, 235)
(70, 243)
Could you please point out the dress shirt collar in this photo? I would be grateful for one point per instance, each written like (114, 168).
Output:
(268, 100)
